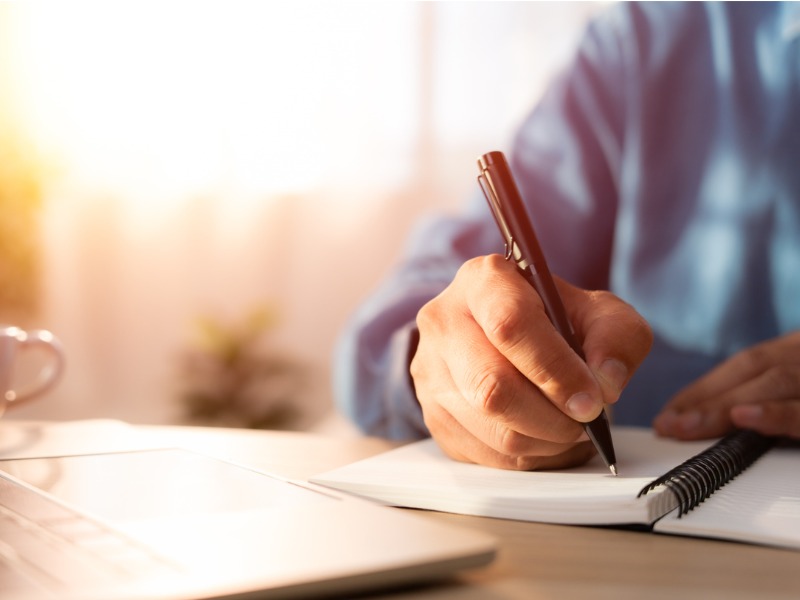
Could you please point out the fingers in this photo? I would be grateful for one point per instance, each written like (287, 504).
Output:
(501, 404)
(512, 318)
(769, 418)
(458, 443)
(712, 416)
(616, 339)
(758, 388)
(742, 367)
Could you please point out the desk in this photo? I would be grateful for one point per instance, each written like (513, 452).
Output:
(534, 560)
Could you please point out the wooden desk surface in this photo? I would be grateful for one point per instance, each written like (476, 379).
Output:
(534, 560)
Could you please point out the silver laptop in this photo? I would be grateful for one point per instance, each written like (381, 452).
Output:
(171, 523)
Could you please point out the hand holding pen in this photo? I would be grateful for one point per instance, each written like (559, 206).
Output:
(522, 246)
(500, 385)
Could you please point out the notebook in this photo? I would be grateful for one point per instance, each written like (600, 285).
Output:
(172, 523)
(686, 488)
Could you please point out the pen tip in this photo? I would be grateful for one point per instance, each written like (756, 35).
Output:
(613, 469)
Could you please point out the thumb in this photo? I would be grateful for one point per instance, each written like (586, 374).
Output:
(616, 338)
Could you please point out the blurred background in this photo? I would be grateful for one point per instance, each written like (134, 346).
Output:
(195, 196)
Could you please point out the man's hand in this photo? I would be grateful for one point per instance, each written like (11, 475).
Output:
(758, 388)
(496, 382)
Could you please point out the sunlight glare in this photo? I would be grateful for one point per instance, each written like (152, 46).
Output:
(163, 102)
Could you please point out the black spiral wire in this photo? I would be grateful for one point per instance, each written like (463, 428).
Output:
(697, 478)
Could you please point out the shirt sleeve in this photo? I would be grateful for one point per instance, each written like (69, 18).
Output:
(567, 158)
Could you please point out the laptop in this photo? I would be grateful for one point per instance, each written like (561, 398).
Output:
(170, 523)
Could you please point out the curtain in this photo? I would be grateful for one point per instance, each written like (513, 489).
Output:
(208, 160)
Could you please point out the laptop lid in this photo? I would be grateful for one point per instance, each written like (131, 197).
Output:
(200, 527)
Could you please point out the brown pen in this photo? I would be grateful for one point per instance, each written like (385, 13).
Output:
(522, 246)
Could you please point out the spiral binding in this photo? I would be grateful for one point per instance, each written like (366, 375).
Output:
(696, 479)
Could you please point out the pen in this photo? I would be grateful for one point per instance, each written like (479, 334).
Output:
(522, 246)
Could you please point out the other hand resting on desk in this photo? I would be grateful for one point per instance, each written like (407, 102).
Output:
(758, 388)
(496, 382)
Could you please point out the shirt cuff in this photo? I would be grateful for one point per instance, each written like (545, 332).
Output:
(405, 413)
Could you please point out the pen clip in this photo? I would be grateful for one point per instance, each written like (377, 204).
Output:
(512, 248)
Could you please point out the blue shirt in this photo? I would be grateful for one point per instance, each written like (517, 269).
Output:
(664, 165)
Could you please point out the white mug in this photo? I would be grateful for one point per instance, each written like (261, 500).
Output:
(13, 343)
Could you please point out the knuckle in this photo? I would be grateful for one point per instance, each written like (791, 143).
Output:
(474, 270)
(550, 368)
(500, 329)
(428, 317)
(527, 463)
(493, 395)
(517, 462)
(505, 320)
(483, 266)
(553, 374)
(505, 324)
(511, 443)
(604, 297)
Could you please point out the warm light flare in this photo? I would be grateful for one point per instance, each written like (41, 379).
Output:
(162, 102)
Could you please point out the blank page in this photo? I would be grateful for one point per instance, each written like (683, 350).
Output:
(419, 475)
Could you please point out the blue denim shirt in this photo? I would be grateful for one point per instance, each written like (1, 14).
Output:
(664, 165)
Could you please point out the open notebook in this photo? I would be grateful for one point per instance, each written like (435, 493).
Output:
(760, 505)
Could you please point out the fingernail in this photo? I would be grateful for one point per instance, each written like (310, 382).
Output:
(748, 414)
(582, 407)
(614, 373)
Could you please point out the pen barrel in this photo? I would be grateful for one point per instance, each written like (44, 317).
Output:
(522, 245)
(513, 213)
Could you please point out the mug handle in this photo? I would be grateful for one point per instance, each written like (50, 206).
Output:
(49, 374)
